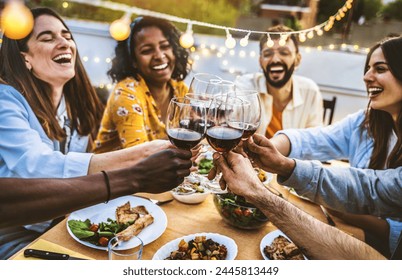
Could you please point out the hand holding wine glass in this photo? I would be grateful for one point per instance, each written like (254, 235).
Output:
(252, 111)
(226, 114)
(185, 123)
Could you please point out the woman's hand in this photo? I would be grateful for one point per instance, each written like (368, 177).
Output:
(265, 155)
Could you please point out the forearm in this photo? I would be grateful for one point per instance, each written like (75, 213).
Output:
(316, 239)
(375, 192)
(120, 158)
(25, 201)
(281, 143)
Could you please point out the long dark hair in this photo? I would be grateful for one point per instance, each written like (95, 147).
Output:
(83, 104)
(380, 123)
(122, 63)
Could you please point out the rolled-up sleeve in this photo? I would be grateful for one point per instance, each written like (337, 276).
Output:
(353, 190)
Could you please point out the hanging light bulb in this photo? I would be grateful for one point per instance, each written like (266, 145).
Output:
(187, 39)
(230, 42)
(120, 28)
(270, 42)
(244, 41)
(16, 20)
(320, 32)
(282, 40)
(310, 34)
(302, 37)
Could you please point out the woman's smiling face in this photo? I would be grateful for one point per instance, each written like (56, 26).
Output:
(154, 55)
(51, 51)
(385, 91)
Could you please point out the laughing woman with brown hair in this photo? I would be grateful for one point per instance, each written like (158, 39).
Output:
(48, 114)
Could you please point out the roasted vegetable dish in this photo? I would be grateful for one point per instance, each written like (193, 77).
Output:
(235, 210)
(199, 248)
(283, 249)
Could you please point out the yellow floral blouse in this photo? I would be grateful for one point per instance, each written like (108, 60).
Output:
(131, 116)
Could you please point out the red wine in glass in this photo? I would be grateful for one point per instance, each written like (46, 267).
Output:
(223, 138)
(183, 138)
(248, 129)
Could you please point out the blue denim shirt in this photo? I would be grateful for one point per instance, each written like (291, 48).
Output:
(25, 149)
(342, 140)
(341, 189)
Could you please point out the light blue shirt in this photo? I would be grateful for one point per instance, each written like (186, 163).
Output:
(341, 140)
(27, 152)
(340, 188)
(25, 149)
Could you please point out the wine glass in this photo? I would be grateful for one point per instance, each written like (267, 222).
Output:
(185, 124)
(252, 111)
(200, 82)
(226, 116)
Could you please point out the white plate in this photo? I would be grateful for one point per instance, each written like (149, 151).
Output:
(173, 245)
(101, 212)
(268, 239)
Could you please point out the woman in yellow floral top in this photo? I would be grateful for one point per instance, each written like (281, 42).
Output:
(149, 68)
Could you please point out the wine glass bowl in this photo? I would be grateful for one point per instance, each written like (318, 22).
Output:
(185, 124)
(200, 82)
(226, 117)
(252, 111)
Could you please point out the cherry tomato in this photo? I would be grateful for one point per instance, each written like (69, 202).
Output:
(238, 212)
(103, 241)
(94, 227)
(247, 212)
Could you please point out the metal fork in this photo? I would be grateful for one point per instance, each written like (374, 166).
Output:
(155, 201)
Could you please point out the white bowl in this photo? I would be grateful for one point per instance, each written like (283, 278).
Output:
(192, 198)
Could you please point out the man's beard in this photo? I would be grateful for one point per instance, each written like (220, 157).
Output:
(286, 77)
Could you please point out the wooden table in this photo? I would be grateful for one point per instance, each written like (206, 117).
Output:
(184, 219)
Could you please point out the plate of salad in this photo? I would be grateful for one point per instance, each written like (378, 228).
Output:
(94, 226)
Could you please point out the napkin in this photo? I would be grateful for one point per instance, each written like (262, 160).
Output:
(45, 245)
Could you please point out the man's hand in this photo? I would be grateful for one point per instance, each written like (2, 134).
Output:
(162, 171)
(237, 173)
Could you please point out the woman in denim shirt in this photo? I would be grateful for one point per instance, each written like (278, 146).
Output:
(370, 138)
(48, 114)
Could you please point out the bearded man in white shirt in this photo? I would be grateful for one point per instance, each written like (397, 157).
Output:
(288, 101)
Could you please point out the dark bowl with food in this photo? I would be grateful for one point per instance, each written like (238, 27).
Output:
(236, 211)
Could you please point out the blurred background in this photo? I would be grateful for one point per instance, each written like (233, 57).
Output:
(334, 60)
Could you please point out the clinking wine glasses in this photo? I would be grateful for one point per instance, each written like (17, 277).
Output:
(226, 116)
(185, 124)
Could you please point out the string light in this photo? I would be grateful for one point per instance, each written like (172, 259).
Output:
(325, 26)
(244, 41)
(16, 20)
(270, 42)
(283, 39)
(187, 39)
(120, 28)
(230, 42)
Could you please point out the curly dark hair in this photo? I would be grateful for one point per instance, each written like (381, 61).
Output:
(122, 63)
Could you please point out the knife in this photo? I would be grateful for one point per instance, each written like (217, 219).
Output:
(329, 219)
(47, 255)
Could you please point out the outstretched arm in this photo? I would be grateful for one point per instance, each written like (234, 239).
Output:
(316, 239)
(25, 201)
